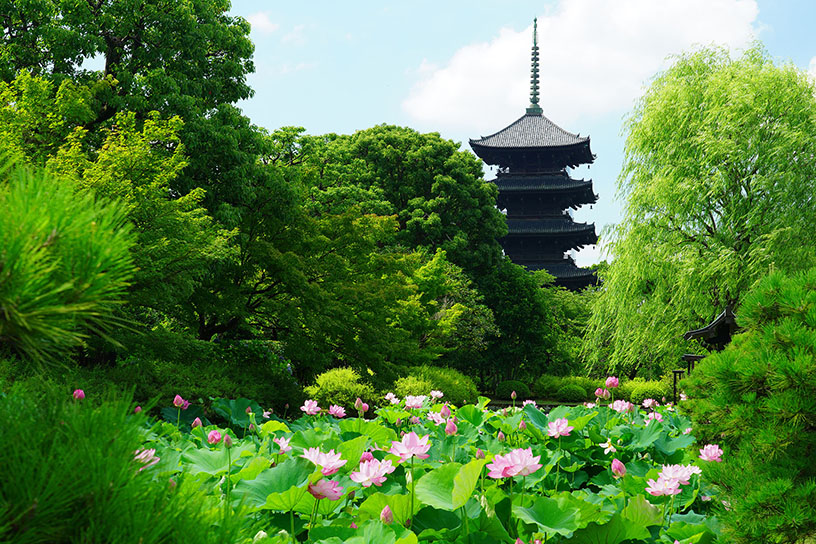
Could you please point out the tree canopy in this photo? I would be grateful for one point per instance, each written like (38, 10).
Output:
(718, 179)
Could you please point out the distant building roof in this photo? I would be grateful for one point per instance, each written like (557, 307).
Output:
(549, 226)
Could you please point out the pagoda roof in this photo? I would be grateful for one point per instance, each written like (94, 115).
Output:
(530, 130)
(520, 182)
(566, 269)
(548, 226)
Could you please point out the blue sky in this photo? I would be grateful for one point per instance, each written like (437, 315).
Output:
(461, 68)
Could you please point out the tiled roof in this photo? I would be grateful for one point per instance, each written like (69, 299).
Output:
(510, 182)
(567, 269)
(531, 130)
(547, 226)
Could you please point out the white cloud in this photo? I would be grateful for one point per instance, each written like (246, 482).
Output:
(595, 59)
(296, 36)
(261, 22)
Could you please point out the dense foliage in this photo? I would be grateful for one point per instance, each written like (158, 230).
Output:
(718, 180)
(756, 397)
(64, 264)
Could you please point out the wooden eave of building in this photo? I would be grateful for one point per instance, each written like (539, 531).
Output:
(555, 227)
(717, 333)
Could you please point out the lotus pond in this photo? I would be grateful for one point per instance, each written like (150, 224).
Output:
(420, 470)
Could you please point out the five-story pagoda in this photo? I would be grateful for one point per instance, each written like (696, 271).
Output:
(532, 156)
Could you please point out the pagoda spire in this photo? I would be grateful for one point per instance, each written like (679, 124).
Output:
(534, 108)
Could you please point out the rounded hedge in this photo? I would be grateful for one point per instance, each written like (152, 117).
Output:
(659, 391)
(412, 385)
(547, 386)
(341, 386)
(458, 388)
(506, 387)
(571, 393)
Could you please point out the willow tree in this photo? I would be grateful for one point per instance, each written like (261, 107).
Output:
(718, 181)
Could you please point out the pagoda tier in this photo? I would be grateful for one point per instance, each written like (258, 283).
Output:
(533, 155)
(527, 194)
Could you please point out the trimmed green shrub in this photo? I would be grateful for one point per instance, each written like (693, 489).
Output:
(624, 391)
(505, 388)
(458, 388)
(341, 386)
(412, 385)
(652, 389)
(571, 393)
(756, 400)
(93, 490)
(547, 386)
(589, 384)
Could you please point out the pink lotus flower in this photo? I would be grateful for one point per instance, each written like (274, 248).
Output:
(687, 431)
(329, 463)
(366, 456)
(618, 468)
(214, 437)
(79, 394)
(602, 393)
(410, 446)
(267, 413)
(530, 402)
(196, 423)
(337, 411)
(414, 402)
(310, 407)
(607, 446)
(436, 417)
(711, 452)
(559, 427)
(663, 486)
(589, 404)
(445, 411)
(372, 472)
(414, 420)
(650, 403)
(519, 462)
(178, 402)
(679, 473)
(683, 396)
(450, 427)
(611, 382)
(283, 444)
(185, 405)
(386, 516)
(623, 406)
(326, 489)
(392, 398)
(146, 457)
(653, 416)
(437, 394)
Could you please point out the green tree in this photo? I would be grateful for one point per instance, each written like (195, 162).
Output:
(64, 264)
(755, 400)
(718, 181)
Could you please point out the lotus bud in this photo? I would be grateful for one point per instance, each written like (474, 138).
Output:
(366, 456)
(196, 423)
(445, 411)
(450, 427)
(618, 468)
(522, 425)
(611, 382)
(227, 441)
(386, 516)
(480, 454)
(358, 404)
(79, 394)
(137, 409)
(500, 436)
(249, 410)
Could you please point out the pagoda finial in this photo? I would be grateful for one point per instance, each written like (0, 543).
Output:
(534, 108)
